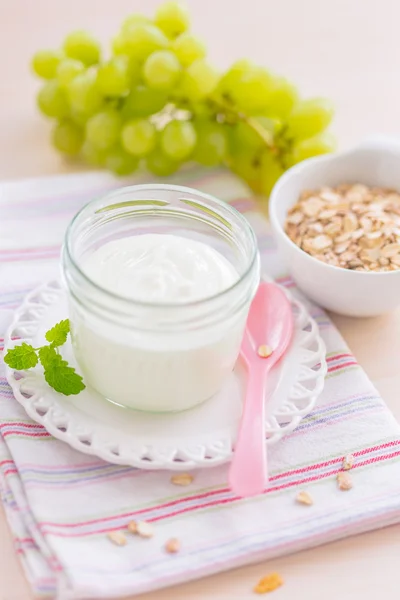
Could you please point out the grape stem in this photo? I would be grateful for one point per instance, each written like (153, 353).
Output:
(265, 135)
(222, 108)
(225, 111)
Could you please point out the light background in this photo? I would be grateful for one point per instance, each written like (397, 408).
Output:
(347, 50)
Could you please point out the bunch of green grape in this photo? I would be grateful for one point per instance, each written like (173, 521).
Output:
(156, 101)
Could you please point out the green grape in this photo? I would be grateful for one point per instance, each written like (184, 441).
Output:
(178, 139)
(160, 164)
(143, 102)
(121, 63)
(139, 137)
(230, 79)
(113, 77)
(198, 81)
(252, 90)
(212, 145)
(248, 167)
(202, 110)
(67, 70)
(319, 144)
(188, 48)
(103, 129)
(82, 46)
(244, 136)
(138, 41)
(45, 63)
(52, 100)
(84, 95)
(135, 20)
(78, 118)
(282, 99)
(309, 117)
(134, 71)
(119, 45)
(67, 137)
(271, 170)
(236, 71)
(161, 70)
(92, 155)
(172, 18)
(120, 162)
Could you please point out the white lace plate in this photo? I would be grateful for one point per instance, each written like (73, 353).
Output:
(201, 437)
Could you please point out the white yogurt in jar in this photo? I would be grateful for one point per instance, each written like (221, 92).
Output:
(158, 370)
(160, 268)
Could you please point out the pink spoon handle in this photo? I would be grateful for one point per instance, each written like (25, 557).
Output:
(248, 471)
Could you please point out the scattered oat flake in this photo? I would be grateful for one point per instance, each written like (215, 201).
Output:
(268, 584)
(344, 481)
(182, 479)
(304, 498)
(117, 538)
(264, 351)
(144, 529)
(172, 546)
(132, 527)
(348, 462)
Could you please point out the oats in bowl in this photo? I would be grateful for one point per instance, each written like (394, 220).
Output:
(352, 226)
(357, 272)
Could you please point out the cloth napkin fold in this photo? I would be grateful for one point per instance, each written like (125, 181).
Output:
(60, 504)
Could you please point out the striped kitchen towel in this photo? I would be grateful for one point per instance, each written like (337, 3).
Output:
(60, 504)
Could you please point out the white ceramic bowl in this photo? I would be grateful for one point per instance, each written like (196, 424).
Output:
(353, 293)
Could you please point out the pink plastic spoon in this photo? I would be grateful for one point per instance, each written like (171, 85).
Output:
(269, 327)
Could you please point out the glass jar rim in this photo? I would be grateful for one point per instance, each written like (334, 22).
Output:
(67, 250)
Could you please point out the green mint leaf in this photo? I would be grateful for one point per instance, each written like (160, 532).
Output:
(58, 334)
(63, 378)
(58, 374)
(21, 357)
(47, 355)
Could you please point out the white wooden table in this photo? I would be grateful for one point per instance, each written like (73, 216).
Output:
(347, 50)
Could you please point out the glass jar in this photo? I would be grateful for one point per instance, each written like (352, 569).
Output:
(153, 356)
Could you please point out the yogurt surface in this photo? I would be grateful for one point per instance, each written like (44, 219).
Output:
(160, 269)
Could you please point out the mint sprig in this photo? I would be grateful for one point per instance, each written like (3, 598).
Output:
(58, 373)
